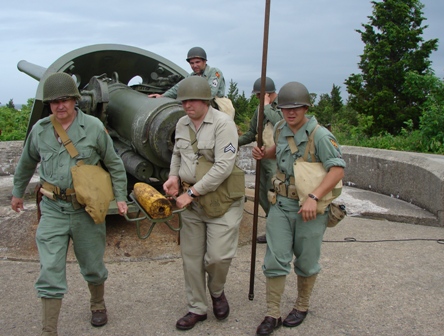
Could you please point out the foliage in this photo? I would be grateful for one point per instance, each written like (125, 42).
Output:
(432, 118)
(244, 107)
(14, 123)
(393, 47)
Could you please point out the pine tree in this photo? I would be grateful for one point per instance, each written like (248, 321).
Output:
(393, 47)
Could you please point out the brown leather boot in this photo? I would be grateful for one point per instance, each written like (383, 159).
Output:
(98, 310)
(221, 308)
(50, 316)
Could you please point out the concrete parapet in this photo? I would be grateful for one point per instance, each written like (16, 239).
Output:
(412, 177)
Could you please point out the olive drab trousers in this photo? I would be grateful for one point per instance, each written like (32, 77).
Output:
(56, 227)
(288, 235)
(207, 245)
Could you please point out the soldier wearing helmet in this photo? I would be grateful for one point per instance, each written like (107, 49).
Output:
(294, 227)
(208, 244)
(62, 217)
(197, 58)
(272, 115)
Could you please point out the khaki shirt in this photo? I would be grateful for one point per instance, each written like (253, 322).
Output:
(214, 77)
(91, 140)
(216, 140)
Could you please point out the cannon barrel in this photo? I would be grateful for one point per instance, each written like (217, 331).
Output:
(142, 128)
(32, 70)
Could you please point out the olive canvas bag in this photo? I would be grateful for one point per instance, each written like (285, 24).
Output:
(216, 203)
(92, 184)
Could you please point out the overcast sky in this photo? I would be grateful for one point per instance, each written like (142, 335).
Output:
(313, 42)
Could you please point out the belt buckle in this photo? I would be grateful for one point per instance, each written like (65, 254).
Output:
(62, 195)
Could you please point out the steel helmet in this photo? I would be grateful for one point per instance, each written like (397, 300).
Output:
(293, 94)
(269, 85)
(194, 87)
(59, 85)
(196, 52)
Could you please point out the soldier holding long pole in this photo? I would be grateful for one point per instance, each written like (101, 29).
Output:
(259, 143)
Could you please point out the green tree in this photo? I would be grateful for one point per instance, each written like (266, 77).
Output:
(329, 107)
(11, 104)
(432, 117)
(14, 123)
(393, 47)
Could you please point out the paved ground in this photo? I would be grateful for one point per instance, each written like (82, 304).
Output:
(387, 282)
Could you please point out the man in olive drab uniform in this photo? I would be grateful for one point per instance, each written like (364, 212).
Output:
(293, 228)
(207, 244)
(272, 115)
(62, 218)
(197, 58)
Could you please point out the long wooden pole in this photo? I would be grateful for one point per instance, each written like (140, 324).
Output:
(259, 144)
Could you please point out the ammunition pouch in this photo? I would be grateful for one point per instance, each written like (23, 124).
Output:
(271, 196)
(278, 182)
(336, 213)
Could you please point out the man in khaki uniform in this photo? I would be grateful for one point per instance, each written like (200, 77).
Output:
(207, 244)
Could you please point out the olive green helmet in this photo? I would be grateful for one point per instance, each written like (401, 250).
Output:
(59, 85)
(194, 87)
(269, 86)
(293, 94)
(196, 52)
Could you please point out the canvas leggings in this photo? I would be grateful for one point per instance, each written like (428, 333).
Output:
(56, 227)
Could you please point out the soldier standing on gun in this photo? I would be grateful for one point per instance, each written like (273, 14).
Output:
(294, 229)
(272, 115)
(207, 244)
(62, 218)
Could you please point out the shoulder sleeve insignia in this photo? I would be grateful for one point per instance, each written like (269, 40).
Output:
(217, 74)
(334, 143)
(230, 148)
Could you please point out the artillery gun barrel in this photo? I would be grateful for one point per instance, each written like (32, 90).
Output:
(33, 70)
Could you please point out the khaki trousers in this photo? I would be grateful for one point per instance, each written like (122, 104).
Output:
(207, 245)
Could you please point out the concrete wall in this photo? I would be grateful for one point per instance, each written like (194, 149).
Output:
(412, 177)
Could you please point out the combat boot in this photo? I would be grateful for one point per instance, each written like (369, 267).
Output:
(300, 310)
(50, 316)
(98, 309)
(274, 290)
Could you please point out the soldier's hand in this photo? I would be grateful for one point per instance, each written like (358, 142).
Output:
(171, 186)
(308, 210)
(154, 95)
(258, 153)
(123, 207)
(17, 204)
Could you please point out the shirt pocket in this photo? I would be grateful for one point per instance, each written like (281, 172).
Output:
(88, 156)
(47, 164)
(206, 148)
(184, 146)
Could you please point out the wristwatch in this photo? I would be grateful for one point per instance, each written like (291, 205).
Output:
(314, 197)
(190, 193)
